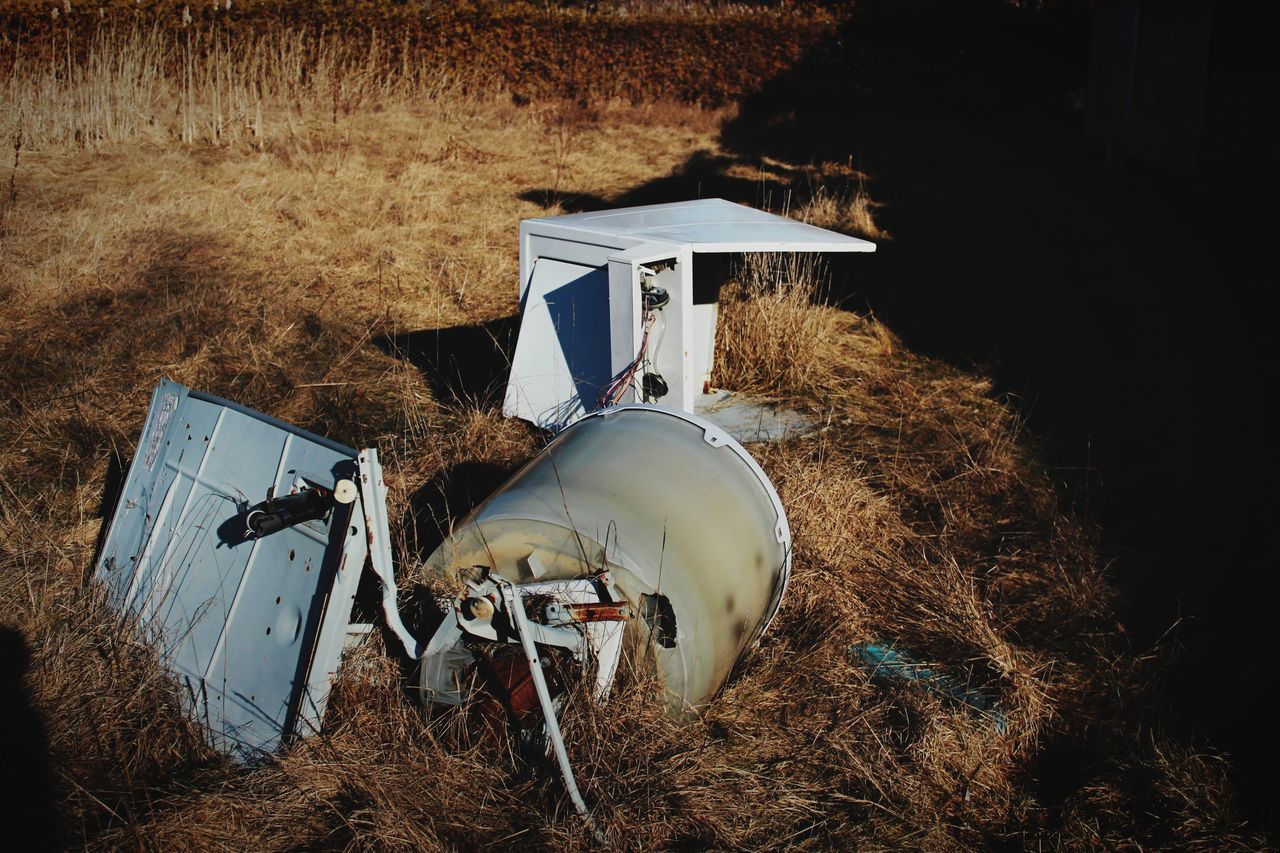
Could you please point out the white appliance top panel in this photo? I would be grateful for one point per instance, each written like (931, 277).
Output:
(711, 225)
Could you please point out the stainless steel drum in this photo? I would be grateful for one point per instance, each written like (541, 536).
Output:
(688, 524)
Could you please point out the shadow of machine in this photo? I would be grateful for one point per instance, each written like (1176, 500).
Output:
(462, 364)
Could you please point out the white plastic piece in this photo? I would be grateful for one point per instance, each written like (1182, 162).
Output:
(373, 502)
(522, 625)
(345, 491)
(446, 659)
(604, 638)
(536, 567)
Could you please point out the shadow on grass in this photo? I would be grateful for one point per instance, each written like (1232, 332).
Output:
(1119, 310)
(462, 364)
(26, 785)
(448, 498)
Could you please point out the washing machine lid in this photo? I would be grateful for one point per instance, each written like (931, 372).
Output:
(252, 628)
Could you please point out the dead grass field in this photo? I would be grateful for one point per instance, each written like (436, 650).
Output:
(270, 266)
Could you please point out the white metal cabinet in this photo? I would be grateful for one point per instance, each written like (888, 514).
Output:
(580, 296)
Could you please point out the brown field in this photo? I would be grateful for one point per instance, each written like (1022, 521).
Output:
(264, 216)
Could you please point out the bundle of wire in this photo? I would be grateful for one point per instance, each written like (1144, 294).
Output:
(612, 393)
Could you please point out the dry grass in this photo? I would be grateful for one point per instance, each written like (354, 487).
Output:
(774, 341)
(269, 269)
(851, 211)
(202, 84)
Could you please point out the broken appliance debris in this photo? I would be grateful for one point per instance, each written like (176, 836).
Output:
(238, 541)
(637, 518)
(887, 662)
(670, 508)
(230, 546)
(619, 306)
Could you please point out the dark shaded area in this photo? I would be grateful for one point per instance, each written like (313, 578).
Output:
(660, 616)
(446, 498)
(700, 176)
(579, 312)
(1188, 88)
(112, 486)
(28, 811)
(463, 364)
(1123, 308)
(233, 530)
(1060, 768)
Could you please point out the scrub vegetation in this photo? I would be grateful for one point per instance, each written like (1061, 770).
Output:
(322, 225)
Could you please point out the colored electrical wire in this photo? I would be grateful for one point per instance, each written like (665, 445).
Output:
(612, 393)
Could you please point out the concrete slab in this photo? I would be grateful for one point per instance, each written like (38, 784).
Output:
(752, 419)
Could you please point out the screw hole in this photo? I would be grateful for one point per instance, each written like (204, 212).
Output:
(290, 553)
(268, 631)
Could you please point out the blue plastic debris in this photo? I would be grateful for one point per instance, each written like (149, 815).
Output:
(887, 662)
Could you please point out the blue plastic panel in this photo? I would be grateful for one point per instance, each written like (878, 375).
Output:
(237, 620)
